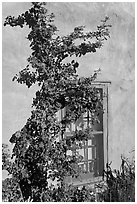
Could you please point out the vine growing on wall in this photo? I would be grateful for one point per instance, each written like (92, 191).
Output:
(38, 155)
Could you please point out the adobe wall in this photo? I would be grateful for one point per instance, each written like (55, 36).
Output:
(116, 60)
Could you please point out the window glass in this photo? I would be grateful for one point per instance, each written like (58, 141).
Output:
(92, 150)
(90, 142)
(90, 153)
(91, 166)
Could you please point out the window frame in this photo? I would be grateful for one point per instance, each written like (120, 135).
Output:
(105, 85)
(87, 178)
(90, 181)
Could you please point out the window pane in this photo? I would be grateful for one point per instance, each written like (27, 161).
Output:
(91, 166)
(83, 167)
(98, 125)
(90, 153)
(93, 141)
(94, 152)
(99, 154)
(89, 142)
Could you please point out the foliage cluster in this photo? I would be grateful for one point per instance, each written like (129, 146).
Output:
(117, 186)
(120, 183)
(11, 191)
(37, 154)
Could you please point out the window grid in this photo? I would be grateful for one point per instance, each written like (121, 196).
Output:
(93, 154)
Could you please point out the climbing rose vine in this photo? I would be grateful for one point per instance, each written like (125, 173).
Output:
(38, 155)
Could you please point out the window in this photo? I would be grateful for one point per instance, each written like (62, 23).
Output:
(94, 151)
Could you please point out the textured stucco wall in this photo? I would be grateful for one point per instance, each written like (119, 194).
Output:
(116, 60)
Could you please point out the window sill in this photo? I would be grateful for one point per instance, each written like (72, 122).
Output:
(84, 179)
